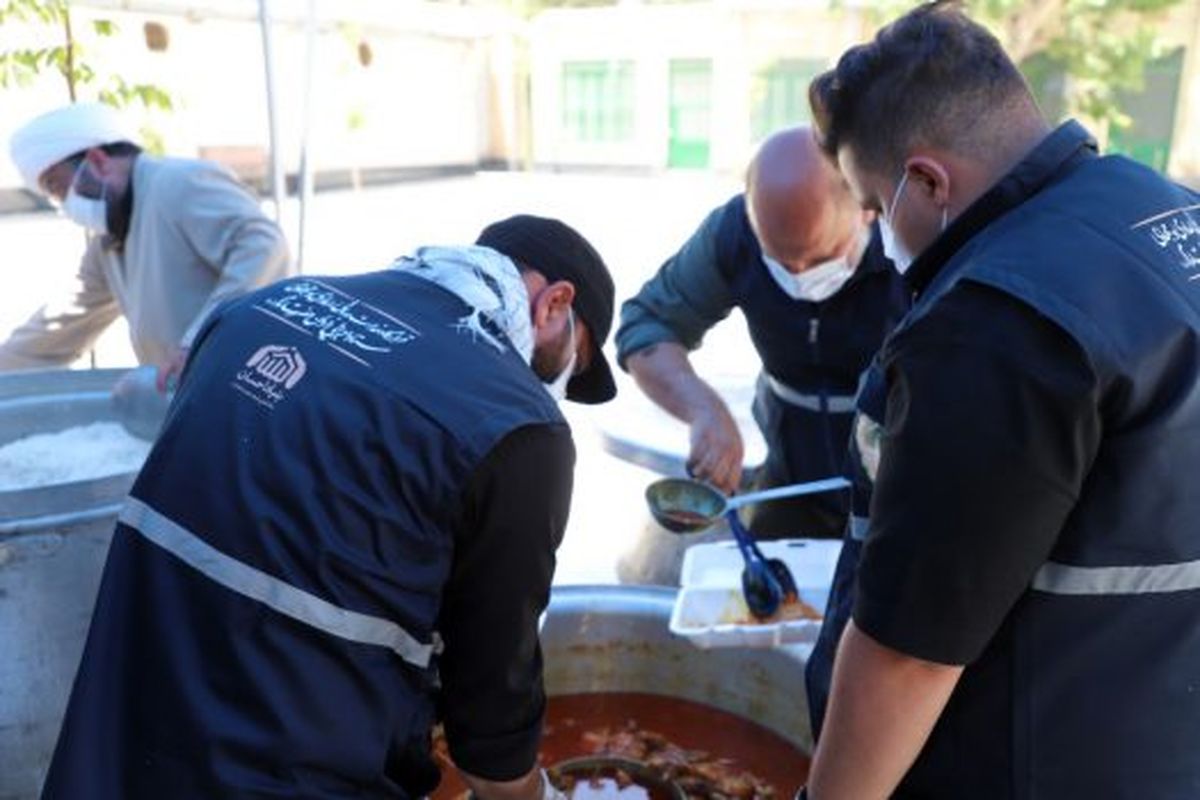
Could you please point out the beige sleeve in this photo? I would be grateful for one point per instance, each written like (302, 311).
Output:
(56, 335)
(228, 230)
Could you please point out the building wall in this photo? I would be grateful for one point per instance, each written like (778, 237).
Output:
(742, 38)
(425, 100)
(739, 38)
(454, 85)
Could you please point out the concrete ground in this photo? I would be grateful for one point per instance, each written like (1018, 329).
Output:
(635, 222)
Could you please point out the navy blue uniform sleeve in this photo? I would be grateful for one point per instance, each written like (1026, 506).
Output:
(992, 424)
(513, 517)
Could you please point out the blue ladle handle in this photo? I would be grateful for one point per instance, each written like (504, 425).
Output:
(760, 588)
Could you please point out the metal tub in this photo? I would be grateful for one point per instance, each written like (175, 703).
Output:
(53, 542)
(615, 639)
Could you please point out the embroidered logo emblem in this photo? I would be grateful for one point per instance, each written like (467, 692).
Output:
(270, 373)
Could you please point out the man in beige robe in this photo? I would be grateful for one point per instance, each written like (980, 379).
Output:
(169, 239)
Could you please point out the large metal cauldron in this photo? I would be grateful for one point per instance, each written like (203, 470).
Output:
(615, 639)
(53, 541)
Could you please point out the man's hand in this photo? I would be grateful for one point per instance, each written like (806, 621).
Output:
(717, 449)
(665, 374)
(169, 370)
(533, 785)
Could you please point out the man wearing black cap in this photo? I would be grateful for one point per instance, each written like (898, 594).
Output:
(566, 259)
(346, 533)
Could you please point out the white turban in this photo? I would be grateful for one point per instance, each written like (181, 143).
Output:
(59, 134)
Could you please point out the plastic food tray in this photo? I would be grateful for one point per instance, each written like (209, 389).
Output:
(709, 609)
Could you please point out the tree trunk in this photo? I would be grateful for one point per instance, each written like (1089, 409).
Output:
(70, 76)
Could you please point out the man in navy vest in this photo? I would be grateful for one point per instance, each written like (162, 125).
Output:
(1027, 617)
(345, 533)
(802, 262)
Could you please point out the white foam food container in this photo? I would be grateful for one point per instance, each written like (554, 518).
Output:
(709, 608)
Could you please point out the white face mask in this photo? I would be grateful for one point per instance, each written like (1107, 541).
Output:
(815, 284)
(893, 248)
(557, 388)
(90, 212)
(821, 282)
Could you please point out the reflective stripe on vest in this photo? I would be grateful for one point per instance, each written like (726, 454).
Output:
(1055, 578)
(838, 403)
(270, 591)
(859, 527)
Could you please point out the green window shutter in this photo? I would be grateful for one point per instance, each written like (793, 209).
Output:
(597, 100)
(690, 113)
(779, 95)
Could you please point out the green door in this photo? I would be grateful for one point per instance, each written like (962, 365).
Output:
(690, 107)
(1148, 138)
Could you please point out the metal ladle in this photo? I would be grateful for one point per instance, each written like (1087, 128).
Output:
(683, 505)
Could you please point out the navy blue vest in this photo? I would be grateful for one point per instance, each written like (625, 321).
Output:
(870, 411)
(816, 349)
(1104, 651)
(323, 434)
(1098, 664)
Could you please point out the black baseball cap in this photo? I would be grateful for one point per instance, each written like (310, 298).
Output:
(560, 253)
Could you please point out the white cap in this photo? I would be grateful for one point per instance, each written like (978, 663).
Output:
(56, 135)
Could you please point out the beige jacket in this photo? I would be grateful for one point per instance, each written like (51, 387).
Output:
(197, 237)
